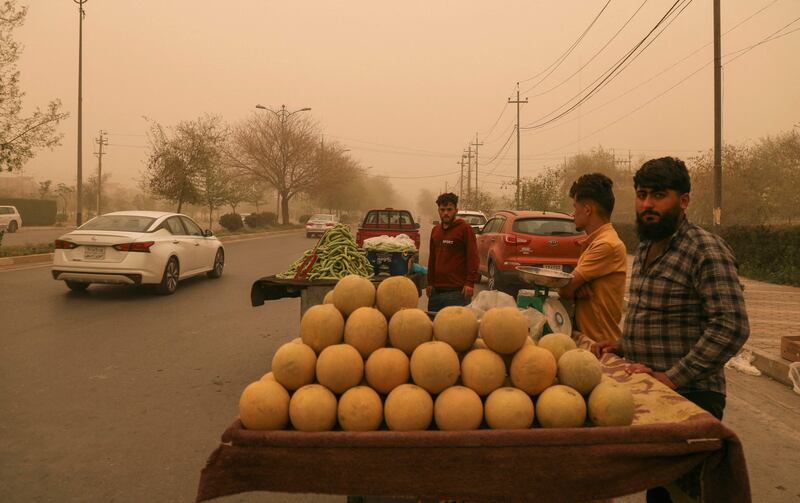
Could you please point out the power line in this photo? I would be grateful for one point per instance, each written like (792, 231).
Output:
(605, 76)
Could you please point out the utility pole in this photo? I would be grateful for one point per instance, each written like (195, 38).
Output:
(461, 178)
(79, 205)
(469, 172)
(476, 145)
(517, 101)
(100, 142)
(717, 119)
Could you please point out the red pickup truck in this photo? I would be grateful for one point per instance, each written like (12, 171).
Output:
(389, 222)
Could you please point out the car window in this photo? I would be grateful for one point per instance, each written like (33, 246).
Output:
(325, 218)
(546, 227)
(493, 225)
(192, 228)
(372, 217)
(473, 219)
(130, 223)
(174, 226)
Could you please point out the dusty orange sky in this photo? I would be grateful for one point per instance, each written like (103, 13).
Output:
(406, 85)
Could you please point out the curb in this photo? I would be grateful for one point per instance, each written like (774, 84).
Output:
(771, 366)
(41, 258)
(26, 259)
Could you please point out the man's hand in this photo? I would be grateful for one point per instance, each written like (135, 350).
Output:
(467, 291)
(428, 291)
(640, 368)
(603, 347)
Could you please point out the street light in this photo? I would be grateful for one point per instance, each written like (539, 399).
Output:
(79, 215)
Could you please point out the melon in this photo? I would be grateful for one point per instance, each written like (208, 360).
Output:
(366, 330)
(386, 369)
(434, 366)
(457, 326)
(352, 292)
(611, 404)
(269, 376)
(479, 344)
(293, 365)
(340, 367)
(408, 408)
(297, 340)
(313, 408)
(560, 406)
(321, 326)
(580, 369)
(396, 293)
(409, 328)
(509, 408)
(483, 371)
(328, 299)
(458, 408)
(557, 344)
(504, 329)
(533, 369)
(264, 405)
(360, 409)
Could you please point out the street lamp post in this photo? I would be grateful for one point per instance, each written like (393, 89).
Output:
(79, 214)
(282, 115)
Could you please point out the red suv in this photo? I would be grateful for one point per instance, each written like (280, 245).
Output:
(533, 238)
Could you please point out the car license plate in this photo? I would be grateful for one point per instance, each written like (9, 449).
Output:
(94, 253)
(553, 267)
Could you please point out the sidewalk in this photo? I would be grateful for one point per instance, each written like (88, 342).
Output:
(773, 311)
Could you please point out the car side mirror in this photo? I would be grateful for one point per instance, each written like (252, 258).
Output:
(207, 233)
(416, 225)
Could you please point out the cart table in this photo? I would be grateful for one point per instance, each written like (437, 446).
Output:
(669, 437)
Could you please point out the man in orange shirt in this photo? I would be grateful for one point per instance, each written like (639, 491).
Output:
(598, 283)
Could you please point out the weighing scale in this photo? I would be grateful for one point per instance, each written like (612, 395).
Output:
(542, 280)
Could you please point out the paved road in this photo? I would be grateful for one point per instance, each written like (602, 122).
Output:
(119, 395)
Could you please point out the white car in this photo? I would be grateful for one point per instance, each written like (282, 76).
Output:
(475, 219)
(10, 219)
(137, 248)
(318, 224)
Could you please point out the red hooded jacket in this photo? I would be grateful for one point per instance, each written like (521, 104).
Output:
(453, 258)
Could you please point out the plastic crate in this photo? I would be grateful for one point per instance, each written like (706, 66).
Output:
(391, 263)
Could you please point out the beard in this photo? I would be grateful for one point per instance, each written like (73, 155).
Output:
(663, 228)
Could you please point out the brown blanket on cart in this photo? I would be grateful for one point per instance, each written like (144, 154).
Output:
(669, 437)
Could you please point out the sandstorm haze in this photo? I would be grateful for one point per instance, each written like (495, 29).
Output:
(405, 86)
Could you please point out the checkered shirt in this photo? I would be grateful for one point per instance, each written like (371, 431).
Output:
(686, 314)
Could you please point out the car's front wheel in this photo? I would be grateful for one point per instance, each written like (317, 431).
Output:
(219, 265)
(76, 286)
(12, 227)
(494, 282)
(169, 281)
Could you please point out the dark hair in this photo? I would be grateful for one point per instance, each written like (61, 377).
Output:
(595, 187)
(662, 174)
(447, 198)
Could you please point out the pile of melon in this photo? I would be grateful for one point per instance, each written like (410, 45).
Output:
(368, 359)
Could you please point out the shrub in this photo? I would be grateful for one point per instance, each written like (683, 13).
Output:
(303, 218)
(61, 217)
(33, 211)
(263, 219)
(231, 221)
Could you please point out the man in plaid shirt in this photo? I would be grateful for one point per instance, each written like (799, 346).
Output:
(686, 315)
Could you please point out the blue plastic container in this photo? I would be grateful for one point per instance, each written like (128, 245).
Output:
(391, 263)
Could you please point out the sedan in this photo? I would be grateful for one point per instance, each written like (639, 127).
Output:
(137, 248)
(319, 224)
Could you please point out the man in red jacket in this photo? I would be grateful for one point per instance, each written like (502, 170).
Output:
(453, 259)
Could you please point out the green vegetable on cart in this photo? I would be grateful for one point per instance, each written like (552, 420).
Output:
(335, 256)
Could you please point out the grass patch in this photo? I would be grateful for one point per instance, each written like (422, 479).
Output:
(16, 251)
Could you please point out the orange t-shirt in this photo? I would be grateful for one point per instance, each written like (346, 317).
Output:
(603, 265)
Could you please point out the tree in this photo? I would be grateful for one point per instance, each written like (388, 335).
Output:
(181, 162)
(90, 188)
(44, 188)
(20, 135)
(340, 181)
(64, 193)
(280, 149)
(544, 192)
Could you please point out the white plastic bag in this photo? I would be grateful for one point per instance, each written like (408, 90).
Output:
(488, 299)
(794, 376)
(536, 322)
(743, 362)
